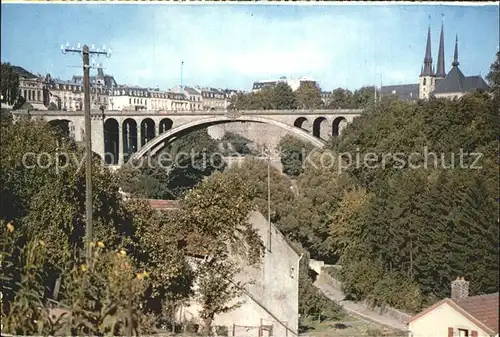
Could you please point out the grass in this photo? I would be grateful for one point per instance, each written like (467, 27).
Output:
(350, 326)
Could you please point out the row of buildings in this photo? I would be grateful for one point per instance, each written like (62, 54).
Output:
(44, 93)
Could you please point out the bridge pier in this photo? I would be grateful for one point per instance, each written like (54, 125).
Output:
(120, 144)
(97, 135)
(139, 137)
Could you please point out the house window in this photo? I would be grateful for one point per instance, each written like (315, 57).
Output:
(425, 81)
(463, 333)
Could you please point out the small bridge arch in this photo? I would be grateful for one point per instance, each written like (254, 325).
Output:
(159, 142)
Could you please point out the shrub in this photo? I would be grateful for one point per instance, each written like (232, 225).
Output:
(397, 292)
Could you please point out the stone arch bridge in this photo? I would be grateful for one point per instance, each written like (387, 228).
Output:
(118, 136)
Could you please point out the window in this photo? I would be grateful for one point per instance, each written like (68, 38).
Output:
(463, 333)
(425, 81)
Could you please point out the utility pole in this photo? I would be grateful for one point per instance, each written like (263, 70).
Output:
(86, 52)
(269, 197)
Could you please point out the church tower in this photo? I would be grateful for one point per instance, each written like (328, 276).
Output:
(441, 72)
(426, 84)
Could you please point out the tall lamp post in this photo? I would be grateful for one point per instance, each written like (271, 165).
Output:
(85, 51)
(268, 153)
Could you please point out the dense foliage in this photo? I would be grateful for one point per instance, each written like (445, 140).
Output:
(278, 97)
(400, 224)
(42, 223)
(293, 153)
(345, 99)
(494, 76)
(9, 84)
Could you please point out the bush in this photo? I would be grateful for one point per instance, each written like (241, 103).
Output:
(397, 292)
(222, 330)
(359, 278)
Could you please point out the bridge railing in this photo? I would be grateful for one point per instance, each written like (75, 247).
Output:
(191, 112)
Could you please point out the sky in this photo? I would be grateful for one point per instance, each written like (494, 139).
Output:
(231, 45)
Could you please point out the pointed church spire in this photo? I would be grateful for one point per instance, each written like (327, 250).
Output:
(428, 56)
(455, 55)
(440, 63)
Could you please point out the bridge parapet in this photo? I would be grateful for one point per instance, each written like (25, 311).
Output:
(325, 112)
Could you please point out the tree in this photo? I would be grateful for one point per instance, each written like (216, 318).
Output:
(493, 76)
(341, 99)
(346, 224)
(362, 97)
(254, 172)
(9, 84)
(293, 153)
(283, 97)
(155, 248)
(217, 289)
(319, 191)
(214, 217)
(309, 96)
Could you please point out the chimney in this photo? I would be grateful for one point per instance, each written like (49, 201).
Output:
(459, 288)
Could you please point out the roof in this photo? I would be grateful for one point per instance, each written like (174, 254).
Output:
(405, 92)
(109, 81)
(483, 307)
(162, 205)
(23, 72)
(482, 310)
(456, 81)
(192, 91)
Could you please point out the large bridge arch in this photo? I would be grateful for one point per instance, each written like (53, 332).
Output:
(158, 142)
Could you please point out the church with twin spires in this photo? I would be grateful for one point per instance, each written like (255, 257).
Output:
(435, 81)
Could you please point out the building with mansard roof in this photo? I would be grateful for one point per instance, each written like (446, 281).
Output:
(435, 82)
(101, 79)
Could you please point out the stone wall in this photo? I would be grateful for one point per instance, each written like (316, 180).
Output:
(316, 265)
(260, 134)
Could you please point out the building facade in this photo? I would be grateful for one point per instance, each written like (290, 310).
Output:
(459, 316)
(293, 83)
(33, 88)
(213, 99)
(435, 81)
